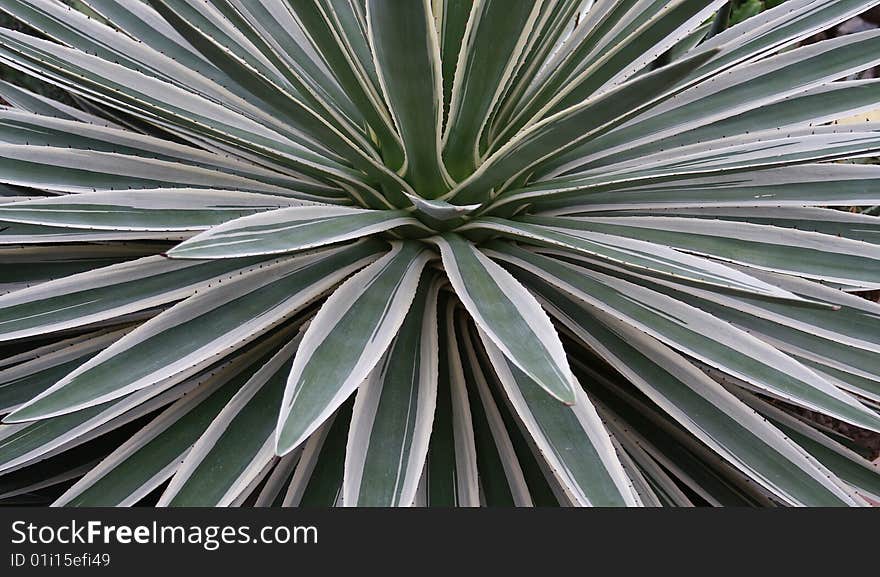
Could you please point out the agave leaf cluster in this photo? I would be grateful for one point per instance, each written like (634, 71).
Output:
(445, 253)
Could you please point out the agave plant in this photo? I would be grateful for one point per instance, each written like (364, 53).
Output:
(448, 253)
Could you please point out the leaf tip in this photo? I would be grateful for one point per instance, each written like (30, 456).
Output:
(22, 415)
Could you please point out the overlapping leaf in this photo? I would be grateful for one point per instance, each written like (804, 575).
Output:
(615, 278)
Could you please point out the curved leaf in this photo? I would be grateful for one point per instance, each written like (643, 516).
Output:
(198, 331)
(509, 315)
(289, 230)
(346, 339)
(183, 209)
(393, 412)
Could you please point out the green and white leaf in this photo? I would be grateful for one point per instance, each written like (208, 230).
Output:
(571, 439)
(346, 339)
(688, 329)
(238, 443)
(290, 230)
(406, 52)
(170, 209)
(151, 456)
(195, 333)
(112, 291)
(509, 315)
(393, 412)
(713, 415)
